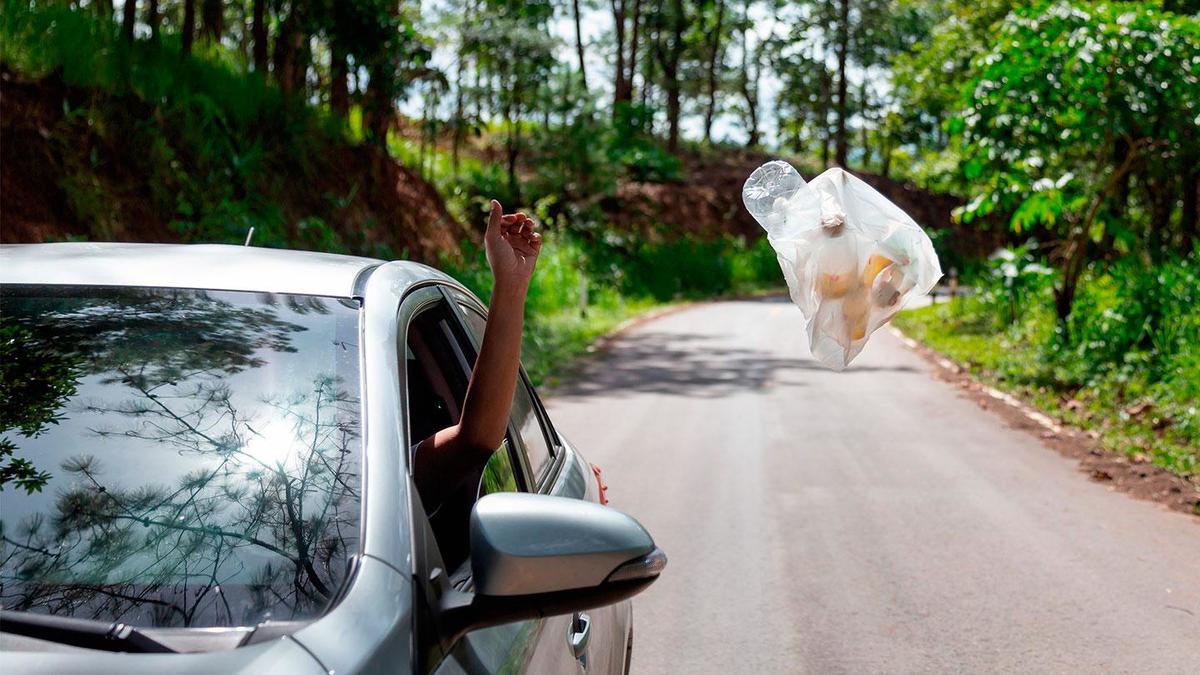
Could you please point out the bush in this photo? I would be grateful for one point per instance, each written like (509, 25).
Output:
(636, 150)
(1128, 366)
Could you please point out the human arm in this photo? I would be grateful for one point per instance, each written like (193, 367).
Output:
(451, 455)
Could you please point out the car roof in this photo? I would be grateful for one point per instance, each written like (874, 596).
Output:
(208, 266)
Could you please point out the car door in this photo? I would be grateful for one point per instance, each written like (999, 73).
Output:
(439, 352)
(588, 637)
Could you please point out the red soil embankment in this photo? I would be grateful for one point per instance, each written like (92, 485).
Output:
(64, 175)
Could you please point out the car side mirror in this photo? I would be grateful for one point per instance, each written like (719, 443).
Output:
(535, 555)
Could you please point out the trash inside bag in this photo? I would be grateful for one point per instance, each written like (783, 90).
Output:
(851, 258)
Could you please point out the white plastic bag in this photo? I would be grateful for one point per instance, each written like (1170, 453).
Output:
(851, 258)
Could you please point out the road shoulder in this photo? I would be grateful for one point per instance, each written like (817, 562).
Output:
(1139, 479)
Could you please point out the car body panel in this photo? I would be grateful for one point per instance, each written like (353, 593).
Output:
(282, 655)
(371, 629)
(217, 267)
(610, 625)
(385, 443)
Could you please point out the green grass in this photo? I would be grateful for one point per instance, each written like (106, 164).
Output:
(561, 322)
(1134, 409)
(554, 340)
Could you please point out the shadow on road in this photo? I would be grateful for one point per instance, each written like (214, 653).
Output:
(689, 364)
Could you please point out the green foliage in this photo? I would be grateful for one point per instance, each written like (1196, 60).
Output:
(35, 381)
(208, 138)
(1135, 321)
(1128, 369)
(1065, 83)
(583, 288)
(636, 150)
(1016, 276)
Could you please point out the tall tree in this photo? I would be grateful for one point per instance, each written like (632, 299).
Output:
(843, 51)
(104, 9)
(188, 30)
(339, 72)
(259, 30)
(516, 51)
(619, 17)
(153, 18)
(291, 57)
(128, 19)
(715, 57)
(579, 44)
(1189, 219)
(669, 46)
(1044, 152)
(212, 16)
(749, 75)
(634, 41)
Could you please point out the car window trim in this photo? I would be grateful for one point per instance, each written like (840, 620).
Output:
(413, 303)
(535, 483)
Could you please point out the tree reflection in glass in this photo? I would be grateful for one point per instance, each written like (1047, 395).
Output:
(202, 469)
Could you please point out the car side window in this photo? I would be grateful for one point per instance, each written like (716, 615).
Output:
(437, 370)
(526, 418)
(529, 427)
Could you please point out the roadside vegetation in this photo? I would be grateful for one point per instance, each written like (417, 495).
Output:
(1127, 370)
(152, 140)
(1063, 132)
(1073, 126)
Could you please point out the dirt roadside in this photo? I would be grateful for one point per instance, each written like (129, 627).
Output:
(1139, 479)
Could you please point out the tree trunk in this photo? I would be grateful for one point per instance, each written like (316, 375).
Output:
(1073, 264)
(291, 65)
(843, 49)
(1120, 199)
(339, 89)
(618, 8)
(188, 30)
(512, 147)
(578, 50)
(671, 75)
(711, 111)
(1160, 195)
(633, 49)
(104, 9)
(259, 29)
(1189, 220)
(1075, 251)
(244, 32)
(379, 108)
(749, 93)
(153, 19)
(128, 18)
(212, 15)
(377, 105)
(866, 149)
(460, 101)
(823, 113)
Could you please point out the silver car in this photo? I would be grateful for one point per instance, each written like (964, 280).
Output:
(204, 463)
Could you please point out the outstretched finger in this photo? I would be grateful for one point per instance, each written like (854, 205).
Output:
(495, 218)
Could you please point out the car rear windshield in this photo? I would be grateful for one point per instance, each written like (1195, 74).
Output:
(176, 458)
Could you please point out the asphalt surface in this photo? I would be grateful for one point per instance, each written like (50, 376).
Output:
(870, 521)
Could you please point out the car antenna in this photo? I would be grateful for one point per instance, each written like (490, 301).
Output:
(249, 235)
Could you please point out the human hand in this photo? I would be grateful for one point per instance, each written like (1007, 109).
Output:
(512, 245)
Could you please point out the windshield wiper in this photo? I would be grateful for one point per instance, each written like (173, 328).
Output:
(108, 636)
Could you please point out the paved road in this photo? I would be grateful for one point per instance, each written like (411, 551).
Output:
(867, 521)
